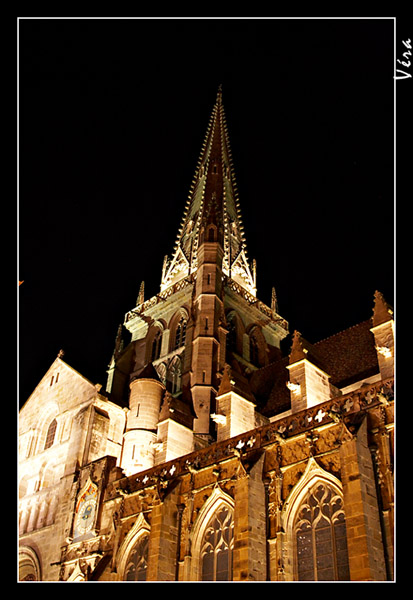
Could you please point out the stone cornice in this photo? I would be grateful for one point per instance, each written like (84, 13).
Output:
(336, 410)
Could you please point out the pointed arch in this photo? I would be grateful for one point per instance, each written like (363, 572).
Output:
(50, 435)
(236, 330)
(29, 565)
(48, 428)
(174, 375)
(138, 534)
(23, 486)
(154, 341)
(212, 538)
(177, 326)
(313, 517)
(258, 346)
(46, 475)
(211, 231)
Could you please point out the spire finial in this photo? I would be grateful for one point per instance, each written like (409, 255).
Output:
(274, 303)
(382, 311)
(219, 94)
(141, 297)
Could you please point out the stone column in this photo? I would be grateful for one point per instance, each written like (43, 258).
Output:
(249, 557)
(163, 539)
(364, 536)
(274, 540)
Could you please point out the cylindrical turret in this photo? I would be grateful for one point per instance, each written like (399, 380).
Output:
(144, 404)
(141, 425)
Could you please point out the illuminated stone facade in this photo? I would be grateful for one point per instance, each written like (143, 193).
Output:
(211, 456)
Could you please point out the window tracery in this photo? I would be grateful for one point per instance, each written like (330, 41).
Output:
(174, 375)
(137, 562)
(320, 536)
(217, 546)
(180, 333)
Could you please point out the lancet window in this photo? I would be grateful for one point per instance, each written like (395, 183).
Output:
(217, 546)
(137, 564)
(180, 333)
(174, 375)
(51, 432)
(320, 536)
(156, 346)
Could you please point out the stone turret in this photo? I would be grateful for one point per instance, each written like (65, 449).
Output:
(140, 437)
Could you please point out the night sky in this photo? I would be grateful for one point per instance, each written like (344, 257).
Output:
(112, 115)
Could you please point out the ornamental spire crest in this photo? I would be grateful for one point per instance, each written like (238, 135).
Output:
(213, 198)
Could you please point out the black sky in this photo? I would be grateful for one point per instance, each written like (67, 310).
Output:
(112, 114)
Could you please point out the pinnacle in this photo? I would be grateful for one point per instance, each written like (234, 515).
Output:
(382, 311)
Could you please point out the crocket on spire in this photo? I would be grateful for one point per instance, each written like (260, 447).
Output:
(213, 199)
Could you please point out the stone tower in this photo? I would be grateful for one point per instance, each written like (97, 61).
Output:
(207, 315)
(210, 456)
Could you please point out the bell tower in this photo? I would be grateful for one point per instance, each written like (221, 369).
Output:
(208, 341)
(206, 315)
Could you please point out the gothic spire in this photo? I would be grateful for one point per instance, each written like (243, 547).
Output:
(213, 199)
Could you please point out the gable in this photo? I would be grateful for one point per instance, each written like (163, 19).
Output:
(60, 389)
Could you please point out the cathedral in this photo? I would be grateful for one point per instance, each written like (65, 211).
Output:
(210, 455)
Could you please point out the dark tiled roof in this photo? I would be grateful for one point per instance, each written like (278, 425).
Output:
(148, 372)
(349, 355)
(268, 385)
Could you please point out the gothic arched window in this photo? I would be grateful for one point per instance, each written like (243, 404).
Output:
(217, 546)
(320, 536)
(174, 375)
(156, 346)
(138, 560)
(180, 333)
(51, 432)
